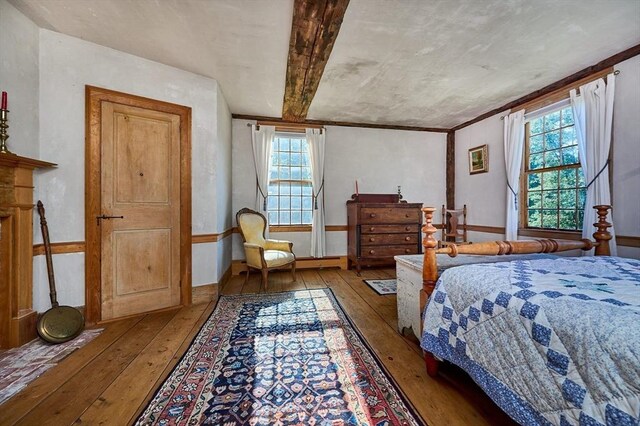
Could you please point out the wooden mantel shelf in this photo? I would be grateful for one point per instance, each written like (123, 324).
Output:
(13, 160)
(17, 317)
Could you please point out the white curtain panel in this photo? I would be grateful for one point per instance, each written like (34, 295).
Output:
(513, 150)
(316, 144)
(593, 115)
(262, 144)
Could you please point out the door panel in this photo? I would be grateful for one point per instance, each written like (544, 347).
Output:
(140, 259)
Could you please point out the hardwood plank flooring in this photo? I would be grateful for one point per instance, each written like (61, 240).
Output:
(112, 378)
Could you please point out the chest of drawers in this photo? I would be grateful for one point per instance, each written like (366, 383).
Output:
(381, 226)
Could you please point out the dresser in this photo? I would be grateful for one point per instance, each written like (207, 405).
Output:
(381, 226)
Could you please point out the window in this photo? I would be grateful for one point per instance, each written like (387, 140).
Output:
(290, 193)
(553, 182)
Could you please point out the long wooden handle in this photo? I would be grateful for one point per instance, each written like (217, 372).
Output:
(47, 251)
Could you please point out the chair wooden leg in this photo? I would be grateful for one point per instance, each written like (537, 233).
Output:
(246, 277)
(293, 271)
(265, 278)
(432, 363)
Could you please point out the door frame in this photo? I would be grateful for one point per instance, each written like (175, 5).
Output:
(94, 96)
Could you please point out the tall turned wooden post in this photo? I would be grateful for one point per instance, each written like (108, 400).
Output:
(602, 235)
(429, 276)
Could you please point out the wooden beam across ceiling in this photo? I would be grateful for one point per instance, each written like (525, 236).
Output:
(314, 30)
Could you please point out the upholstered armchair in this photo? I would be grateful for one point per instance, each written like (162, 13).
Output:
(261, 253)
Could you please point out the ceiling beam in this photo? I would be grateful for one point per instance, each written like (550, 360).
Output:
(314, 30)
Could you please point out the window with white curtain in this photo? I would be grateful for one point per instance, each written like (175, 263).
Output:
(290, 193)
(554, 187)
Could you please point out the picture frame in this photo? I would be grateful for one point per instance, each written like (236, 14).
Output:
(479, 159)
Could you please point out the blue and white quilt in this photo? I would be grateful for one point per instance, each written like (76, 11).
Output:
(551, 341)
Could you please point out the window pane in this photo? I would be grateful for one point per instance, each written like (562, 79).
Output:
(295, 145)
(284, 144)
(535, 126)
(296, 189)
(535, 200)
(284, 188)
(273, 189)
(536, 161)
(568, 178)
(273, 218)
(284, 217)
(272, 203)
(534, 181)
(568, 199)
(550, 180)
(306, 217)
(581, 181)
(285, 172)
(285, 203)
(550, 219)
(306, 190)
(296, 218)
(567, 116)
(582, 197)
(552, 140)
(306, 173)
(283, 158)
(296, 203)
(535, 218)
(296, 159)
(550, 199)
(552, 158)
(296, 173)
(552, 121)
(567, 219)
(570, 155)
(580, 218)
(569, 136)
(535, 144)
(306, 203)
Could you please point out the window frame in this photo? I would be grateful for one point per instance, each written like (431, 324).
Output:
(296, 227)
(523, 219)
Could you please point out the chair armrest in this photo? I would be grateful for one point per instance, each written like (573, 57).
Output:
(254, 255)
(281, 245)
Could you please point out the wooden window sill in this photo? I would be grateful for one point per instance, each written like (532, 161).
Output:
(550, 233)
(290, 228)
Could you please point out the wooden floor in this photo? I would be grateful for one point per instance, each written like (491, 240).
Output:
(111, 379)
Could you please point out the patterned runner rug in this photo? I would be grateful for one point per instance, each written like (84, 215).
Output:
(383, 287)
(279, 359)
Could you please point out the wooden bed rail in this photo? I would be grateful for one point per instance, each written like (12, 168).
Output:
(430, 244)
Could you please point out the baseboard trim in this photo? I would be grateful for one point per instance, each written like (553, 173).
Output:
(239, 266)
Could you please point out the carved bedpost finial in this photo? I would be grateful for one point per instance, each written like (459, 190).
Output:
(430, 269)
(602, 235)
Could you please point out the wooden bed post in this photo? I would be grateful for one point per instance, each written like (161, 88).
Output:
(602, 235)
(429, 276)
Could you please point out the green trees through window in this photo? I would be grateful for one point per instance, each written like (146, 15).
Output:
(554, 187)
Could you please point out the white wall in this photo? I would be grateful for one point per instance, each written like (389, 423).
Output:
(379, 159)
(67, 64)
(485, 194)
(19, 47)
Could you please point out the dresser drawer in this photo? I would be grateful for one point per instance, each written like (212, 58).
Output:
(389, 229)
(389, 215)
(386, 251)
(388, 239)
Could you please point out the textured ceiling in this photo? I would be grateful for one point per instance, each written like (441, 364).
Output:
(430, 63)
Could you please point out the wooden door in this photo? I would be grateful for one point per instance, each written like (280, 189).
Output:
(140, 205)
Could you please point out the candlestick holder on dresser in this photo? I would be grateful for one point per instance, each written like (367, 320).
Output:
(3, 131)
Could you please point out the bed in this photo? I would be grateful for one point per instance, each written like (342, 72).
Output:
(551, 341)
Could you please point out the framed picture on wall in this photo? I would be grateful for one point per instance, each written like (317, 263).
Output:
(478, 159)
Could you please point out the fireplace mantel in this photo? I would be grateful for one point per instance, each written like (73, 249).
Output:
(17, 317)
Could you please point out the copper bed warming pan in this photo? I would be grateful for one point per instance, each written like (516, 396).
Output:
(60, 323)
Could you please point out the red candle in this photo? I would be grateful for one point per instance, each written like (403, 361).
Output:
(4, 100)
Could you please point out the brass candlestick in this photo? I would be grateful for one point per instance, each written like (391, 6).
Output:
(3, 131)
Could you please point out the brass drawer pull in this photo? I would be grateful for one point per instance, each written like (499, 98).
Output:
(371, 229)
(372, 215)
(407, 250)
(407, 238)
(372, 239)
(407, 215)
(372, 252)
(408, 228)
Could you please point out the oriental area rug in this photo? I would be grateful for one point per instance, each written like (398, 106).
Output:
(289, 358)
